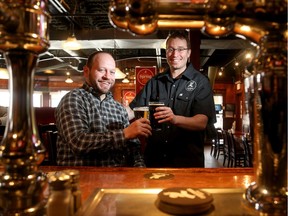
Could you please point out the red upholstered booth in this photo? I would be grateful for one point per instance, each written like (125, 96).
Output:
(44, 115)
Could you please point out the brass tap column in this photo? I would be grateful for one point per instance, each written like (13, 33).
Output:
(23, 35)
(268, 123)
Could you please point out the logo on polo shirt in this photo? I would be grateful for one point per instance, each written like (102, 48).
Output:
(191, 85)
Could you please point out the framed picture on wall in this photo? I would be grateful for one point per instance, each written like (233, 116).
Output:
(229, 114)
(127, 96)
(230, 107)
(229, 110)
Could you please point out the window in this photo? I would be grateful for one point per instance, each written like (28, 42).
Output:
(218, 100)
(55, 97)
(5, 98)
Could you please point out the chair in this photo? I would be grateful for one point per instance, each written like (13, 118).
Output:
(248, 152)
(237, 152)
(226, 149)
(48, 136)
(219, 145)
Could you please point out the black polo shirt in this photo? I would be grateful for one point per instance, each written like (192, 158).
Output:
(188, 95)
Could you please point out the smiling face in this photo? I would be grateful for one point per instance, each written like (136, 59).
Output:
(101, 74)
(177, 54)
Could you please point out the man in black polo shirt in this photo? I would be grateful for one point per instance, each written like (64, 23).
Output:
(189, 108)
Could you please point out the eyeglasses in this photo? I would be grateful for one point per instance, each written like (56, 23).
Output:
(170, 49)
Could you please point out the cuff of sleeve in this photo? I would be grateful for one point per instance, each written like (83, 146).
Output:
(119, 139)
(139, 164)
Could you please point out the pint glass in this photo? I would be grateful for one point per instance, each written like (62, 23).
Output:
(154, 122)
(141, 112)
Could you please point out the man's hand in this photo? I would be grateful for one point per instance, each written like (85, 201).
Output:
(138, 128)
(195, 123)
(164, 114)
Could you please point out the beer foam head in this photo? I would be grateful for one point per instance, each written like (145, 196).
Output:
(144, 108)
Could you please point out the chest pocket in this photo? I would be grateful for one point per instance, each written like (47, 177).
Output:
(184, 103)
(184, 96)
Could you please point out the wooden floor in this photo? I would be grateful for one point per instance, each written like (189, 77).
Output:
(210, 161)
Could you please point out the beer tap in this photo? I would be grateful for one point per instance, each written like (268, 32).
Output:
(23, 35)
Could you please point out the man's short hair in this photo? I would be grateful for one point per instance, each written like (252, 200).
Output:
(90, 59)
(184, 35)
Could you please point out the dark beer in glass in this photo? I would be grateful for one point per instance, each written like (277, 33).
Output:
(154, 122)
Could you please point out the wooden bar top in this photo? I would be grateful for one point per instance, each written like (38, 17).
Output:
(94, 177)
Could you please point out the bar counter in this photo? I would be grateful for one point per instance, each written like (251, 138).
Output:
(92, 178)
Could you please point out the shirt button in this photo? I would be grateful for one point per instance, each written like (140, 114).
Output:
(174, 86)
(171, 99)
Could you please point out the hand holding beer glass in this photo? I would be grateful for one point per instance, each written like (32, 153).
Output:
(141, 112)
(152, 109)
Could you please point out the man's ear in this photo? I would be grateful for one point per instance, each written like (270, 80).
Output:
(85, 71)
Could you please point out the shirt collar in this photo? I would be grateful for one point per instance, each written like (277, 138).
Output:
(187, 72)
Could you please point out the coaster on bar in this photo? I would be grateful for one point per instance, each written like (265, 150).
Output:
(184, 201)
(158, 176)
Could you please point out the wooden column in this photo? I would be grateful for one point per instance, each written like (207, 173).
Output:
(195, 38)
(46, 99)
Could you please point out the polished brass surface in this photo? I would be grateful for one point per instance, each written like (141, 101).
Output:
(269, 126)
(216, 18)
(23, 35)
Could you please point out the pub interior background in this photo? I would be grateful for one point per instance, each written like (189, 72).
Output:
(226, 61)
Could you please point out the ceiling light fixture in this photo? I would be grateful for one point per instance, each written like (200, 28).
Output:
(72, 43)
(68, 80)
(125, 80)
(119, 74)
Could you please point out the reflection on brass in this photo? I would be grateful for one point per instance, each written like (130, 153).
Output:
(142, 16)
(23, 35)
(117, 13)
(268, 97)
(217, 18)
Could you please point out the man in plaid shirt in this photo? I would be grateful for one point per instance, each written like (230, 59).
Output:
(93, 128)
